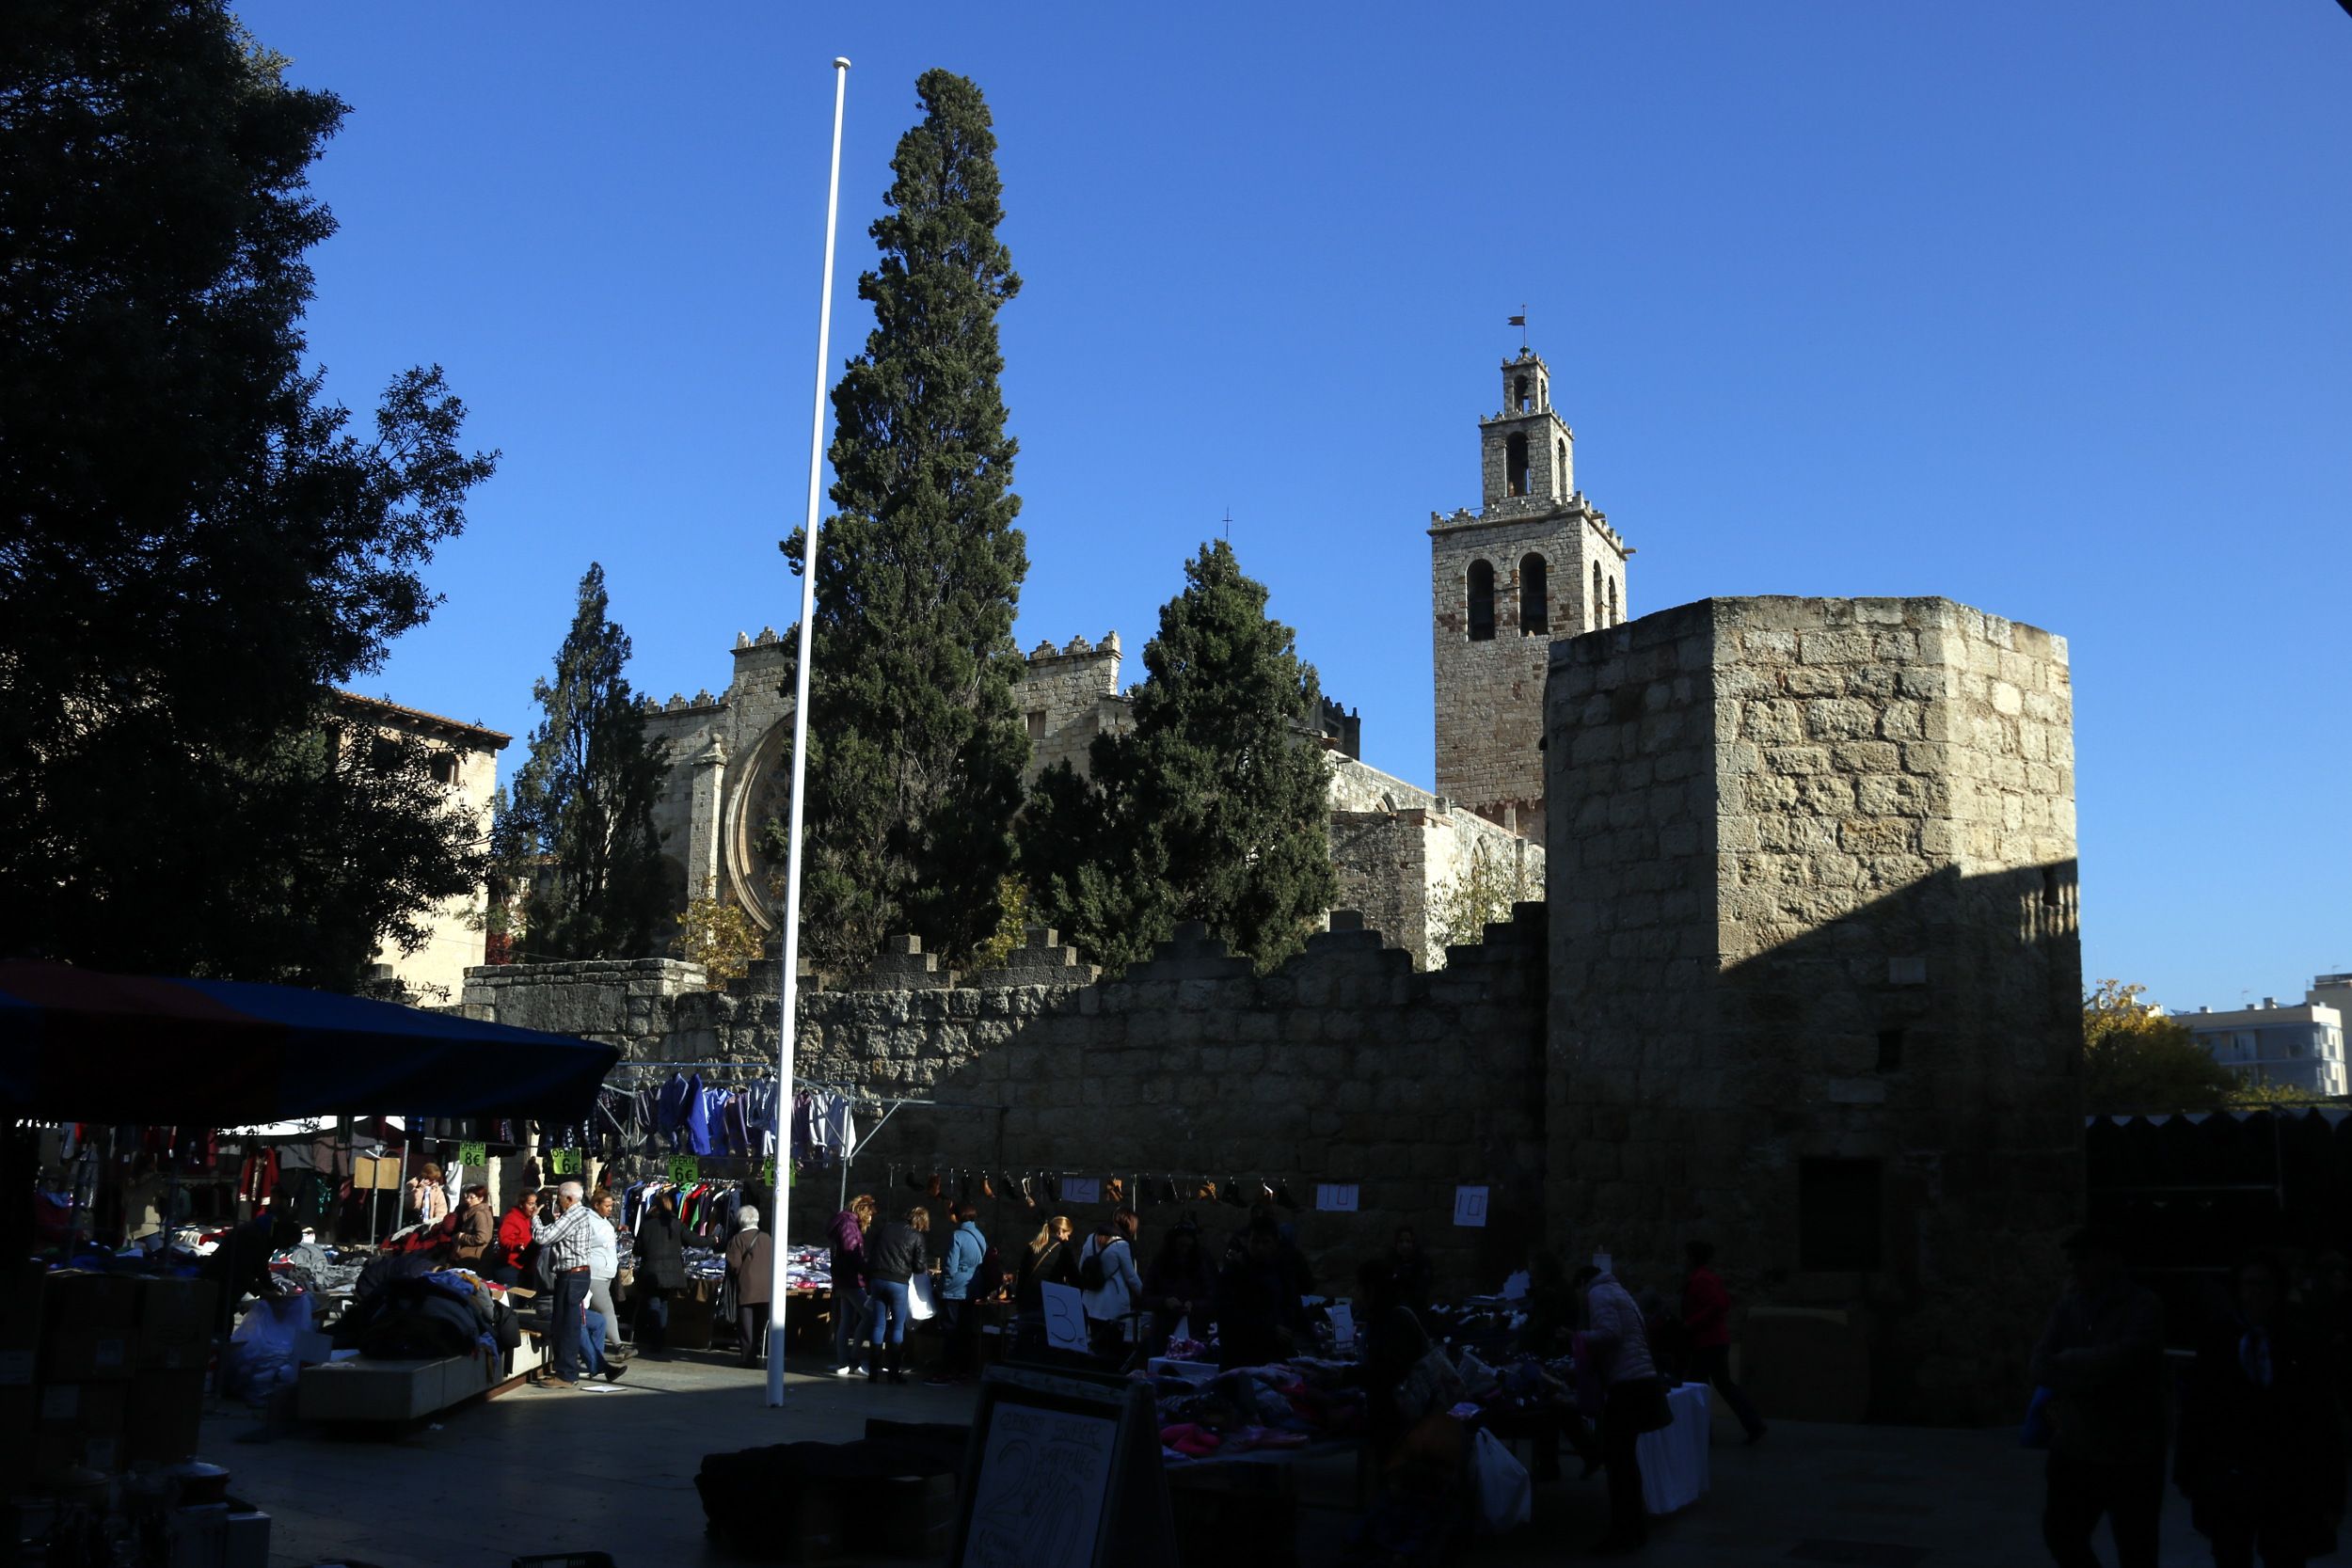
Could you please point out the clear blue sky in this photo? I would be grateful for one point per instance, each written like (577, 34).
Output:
(2044, 307)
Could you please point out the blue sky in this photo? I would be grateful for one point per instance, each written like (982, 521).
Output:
(2043, 308)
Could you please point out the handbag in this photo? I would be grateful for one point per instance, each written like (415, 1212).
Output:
(1506, 1494)
(543, 1267)
(922, 1300)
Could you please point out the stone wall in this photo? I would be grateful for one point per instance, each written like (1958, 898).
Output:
(1069, 696)
(1344, 1065)
(1815, 970)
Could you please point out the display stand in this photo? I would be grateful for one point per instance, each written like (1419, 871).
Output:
(1064, 1472)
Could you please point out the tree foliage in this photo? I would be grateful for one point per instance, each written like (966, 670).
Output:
(2136, 1059)
(580, 830)
(196, 546)
(915, 746)
(1214, 807)
(719, 936)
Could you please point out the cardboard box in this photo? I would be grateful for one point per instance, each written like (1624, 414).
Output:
(79, 1424)
(164, 1418)
(176, 1321)
(89, 1327)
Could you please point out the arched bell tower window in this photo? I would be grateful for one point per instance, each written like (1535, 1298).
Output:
(1519, 395)
(1515, 463)
(1482, 602)
(1534, 612)
(1598, 614)
(1560, 471)
(1616, 616)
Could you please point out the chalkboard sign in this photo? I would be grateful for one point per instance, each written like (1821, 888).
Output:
(1064, 1472)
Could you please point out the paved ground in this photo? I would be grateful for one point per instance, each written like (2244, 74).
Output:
(542, 1472)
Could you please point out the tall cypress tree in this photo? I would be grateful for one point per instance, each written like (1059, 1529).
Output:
(1214, 807)
(578, 831)
(915, 746)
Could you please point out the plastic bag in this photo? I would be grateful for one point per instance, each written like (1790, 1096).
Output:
(260, 1360)
(1478, 1379)
(1506, 1496)
(922, 1303)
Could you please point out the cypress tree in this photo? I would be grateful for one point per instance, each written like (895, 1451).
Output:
(579, 832)
(1214, 807)
(915, 746)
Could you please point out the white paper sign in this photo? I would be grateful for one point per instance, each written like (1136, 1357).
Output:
(1065, 1316)
(1343, 1321)
(1470, 1206)
(1336, 1197)
(1082, 1189)
(1044, 1478)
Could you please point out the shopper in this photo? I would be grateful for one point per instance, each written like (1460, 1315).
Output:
(1178, 1288)
(660, 1270)
(570, 1242)
(851, 1303)
(2102, 1358)
(960, 1293)
(515, 1239)
(428, 1202)
(894, 1256)
(476, 1229)
(751, 1264)
(1707, 1321)
(1113, 1291)
(1618, 1342)
(1259, 1318)
(2262, 1453)
(1050, 1259)
(603, 1269)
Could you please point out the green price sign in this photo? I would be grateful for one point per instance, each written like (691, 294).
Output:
(564, 1161)
(685, 1168)
(472, 1154)
(767, 1172)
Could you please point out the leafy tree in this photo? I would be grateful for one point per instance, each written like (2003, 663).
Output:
(2136, 1059)
(1214, 807)
(194, 546)
(915, 746)
(720, 937)
(580, 828)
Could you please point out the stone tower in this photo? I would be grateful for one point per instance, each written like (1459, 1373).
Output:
(1537, 561)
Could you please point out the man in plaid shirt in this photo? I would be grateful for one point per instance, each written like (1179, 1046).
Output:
(569, 1239)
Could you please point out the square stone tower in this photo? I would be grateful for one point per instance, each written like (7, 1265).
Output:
(1817, 983)
(1536, 562)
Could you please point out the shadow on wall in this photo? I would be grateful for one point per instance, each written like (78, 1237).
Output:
(1875, 1117)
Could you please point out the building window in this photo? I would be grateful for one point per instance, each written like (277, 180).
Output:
(1482, 602)
(1840, 1214)
(1560, 474)
(1036, 725)
(1518, 394)
(444, 768)
(1515, 463)
(1595, 615)
(1616, 616)
(1535, 613)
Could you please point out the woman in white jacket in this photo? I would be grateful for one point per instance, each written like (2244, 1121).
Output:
(1109, 1256)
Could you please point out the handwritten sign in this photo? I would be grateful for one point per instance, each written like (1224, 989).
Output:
(1469, 1207)
(684, 1169)
(472, 1154)
(1081, 1189)
(1336, 1197)
(1065, 1316)
(1343, 1322)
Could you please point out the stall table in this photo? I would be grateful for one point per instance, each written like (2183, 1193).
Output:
(1674, 1468)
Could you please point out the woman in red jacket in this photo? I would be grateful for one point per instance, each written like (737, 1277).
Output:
(513, 1240)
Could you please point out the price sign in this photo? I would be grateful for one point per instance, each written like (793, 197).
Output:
(564, 1161)
(472, 1154)
(1469, 1207)
(684, 1169)
(1336, 1197)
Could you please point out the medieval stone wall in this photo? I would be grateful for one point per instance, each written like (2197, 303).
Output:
(1817, 972)
(1069, 696)
(1344, 1065)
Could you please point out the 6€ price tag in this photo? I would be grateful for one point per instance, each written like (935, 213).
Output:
(683, 1168)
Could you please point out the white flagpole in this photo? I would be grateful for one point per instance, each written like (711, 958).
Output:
(788, 1010)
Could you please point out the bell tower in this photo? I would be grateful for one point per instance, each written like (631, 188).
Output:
(1536, 562)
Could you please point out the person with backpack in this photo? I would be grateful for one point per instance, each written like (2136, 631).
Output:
(1112, 1288)
(962, 1292)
